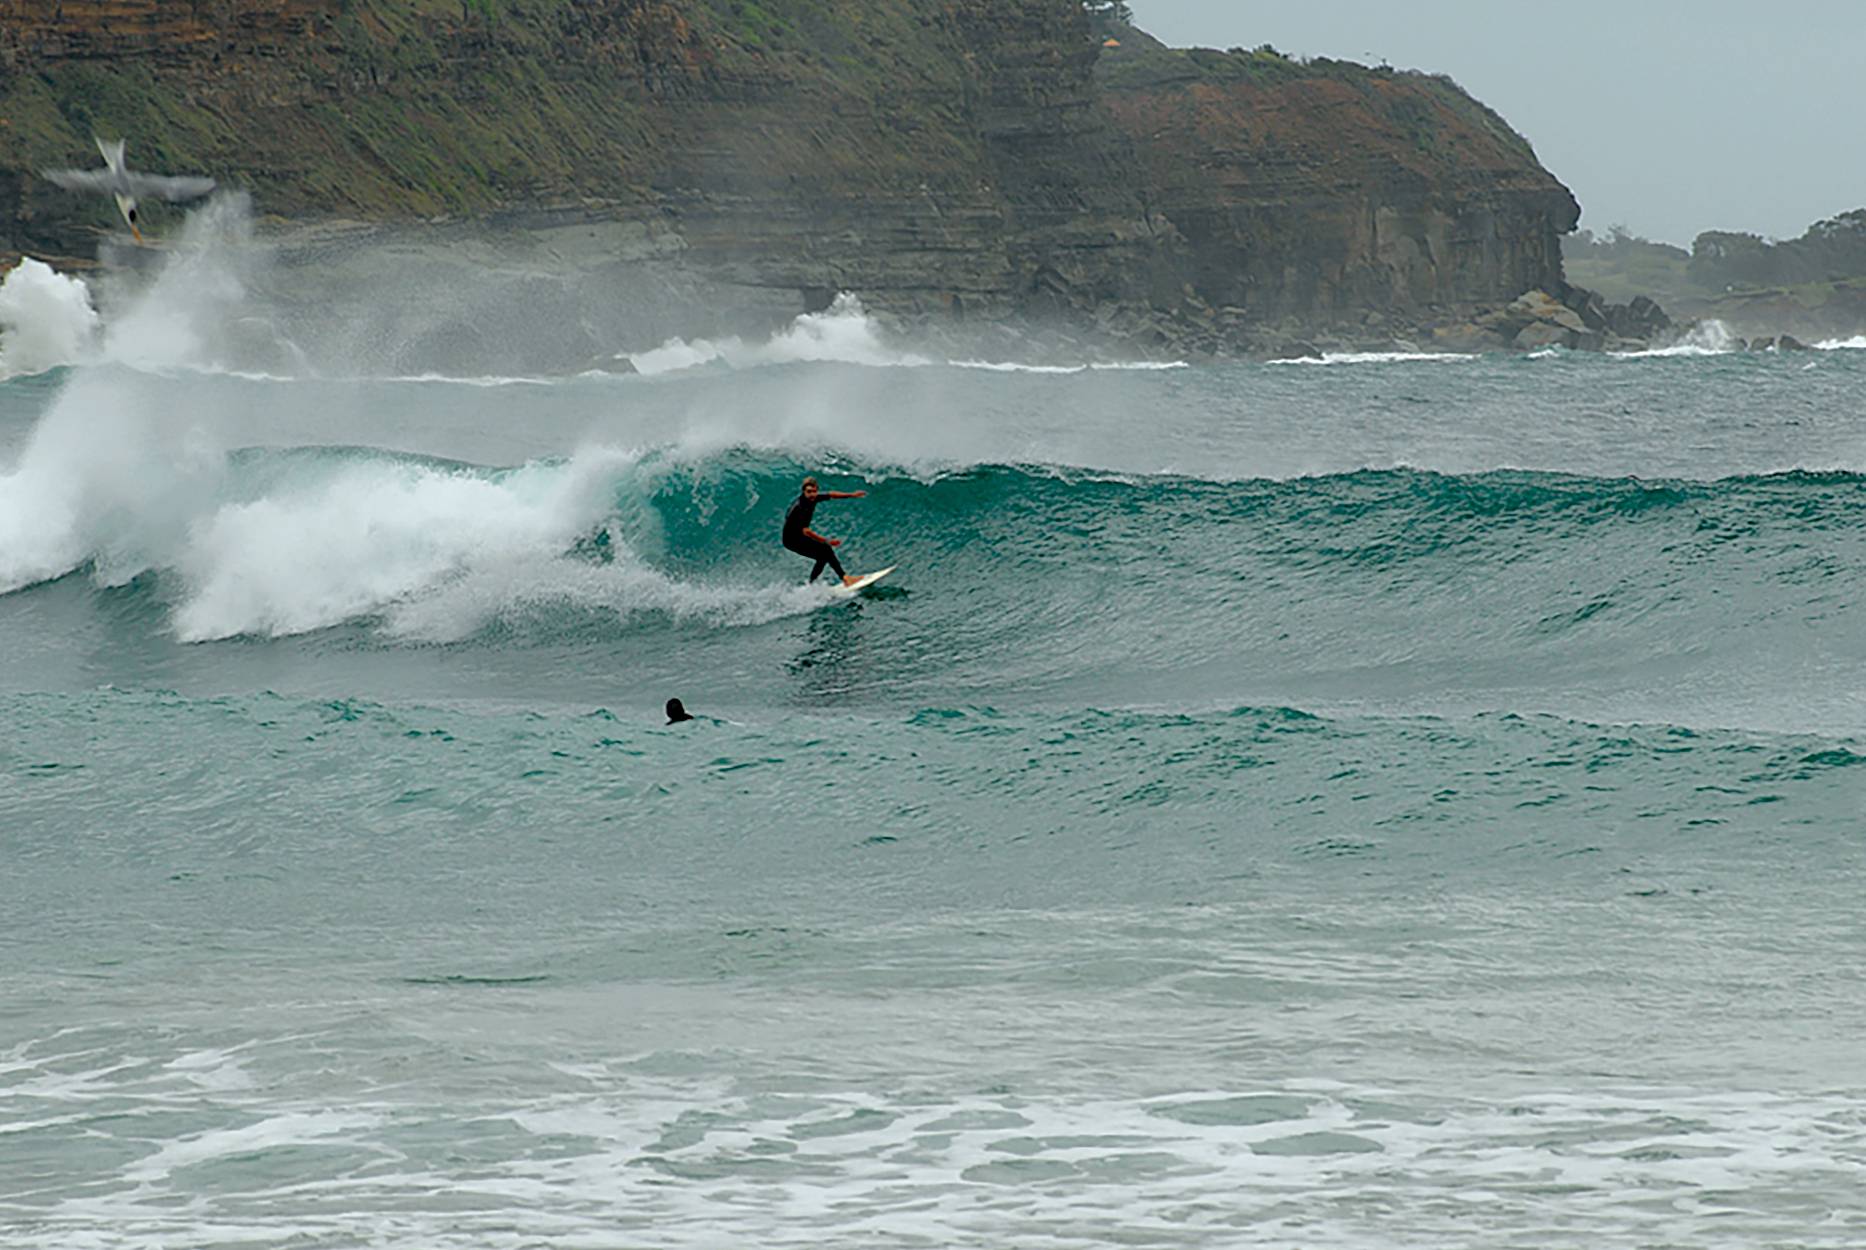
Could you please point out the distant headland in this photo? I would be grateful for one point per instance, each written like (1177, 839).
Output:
(954, 162)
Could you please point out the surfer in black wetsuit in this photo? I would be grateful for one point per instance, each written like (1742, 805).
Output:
(798, 536)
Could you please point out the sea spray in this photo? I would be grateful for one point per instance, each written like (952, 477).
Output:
(351, 539)
(106, 477)
(187, 316)
(1374, 358)
(46, 319)
(843, 333)
(537, 601)
(1703, 338)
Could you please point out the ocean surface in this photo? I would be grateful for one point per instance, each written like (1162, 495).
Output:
(1389, 801)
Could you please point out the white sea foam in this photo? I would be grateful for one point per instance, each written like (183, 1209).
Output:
(514, 592)
(276, 548)
(1857, 343)
(844, 333)
(1010, 366)
(677, 354)
(490, 381)
(1114, 366)
(1706, 338)
(46, 319)
(289, 1128)
(1373, 358)
(678, 1163)
(102, 478)
(185, 316)
(191, 316)
(372, 535)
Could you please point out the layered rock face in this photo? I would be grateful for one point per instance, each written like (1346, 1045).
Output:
(945, 158)
(160, 29)
(1323, 190)
(972, 171)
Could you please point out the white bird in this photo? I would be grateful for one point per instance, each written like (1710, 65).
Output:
(126, 185)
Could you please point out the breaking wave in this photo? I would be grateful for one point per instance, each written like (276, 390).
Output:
(1706, 338)
(1347, 586)
(844, 333)
(47, 319)
(1374, 358)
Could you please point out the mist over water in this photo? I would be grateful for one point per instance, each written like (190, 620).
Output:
(1387, 800)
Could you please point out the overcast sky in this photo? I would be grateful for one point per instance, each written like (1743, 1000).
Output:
(1668, 116)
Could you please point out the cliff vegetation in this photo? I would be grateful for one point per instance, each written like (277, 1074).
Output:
(943, 157)
(1813, 286)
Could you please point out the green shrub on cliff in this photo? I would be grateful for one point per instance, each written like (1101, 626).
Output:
(1833, 250)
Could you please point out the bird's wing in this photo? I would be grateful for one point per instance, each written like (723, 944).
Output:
(80, 179)
(185, 187)
(112, 152)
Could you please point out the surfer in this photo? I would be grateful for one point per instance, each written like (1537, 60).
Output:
(800, 538)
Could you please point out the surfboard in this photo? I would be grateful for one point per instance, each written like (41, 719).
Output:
(866, 579)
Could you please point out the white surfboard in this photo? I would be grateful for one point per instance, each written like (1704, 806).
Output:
(866, 579)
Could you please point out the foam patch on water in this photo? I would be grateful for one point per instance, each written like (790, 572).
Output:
(1374, 358)
(484, 382)
(1857, 344)
(46, 319)
(183, 317)
(844, 333)
(1706, 338)
(274, 545)
(1119, 366)
(519, 595)
(677, 354)
(99, 480)
(372, 534)
(646, 1150)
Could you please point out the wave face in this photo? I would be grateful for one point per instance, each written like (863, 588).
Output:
(1186, 539)
(1381, 588)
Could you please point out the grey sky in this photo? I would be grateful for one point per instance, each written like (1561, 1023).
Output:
(1669, 116)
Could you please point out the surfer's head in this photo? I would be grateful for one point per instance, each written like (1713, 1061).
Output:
(809, 487)
(676, 712)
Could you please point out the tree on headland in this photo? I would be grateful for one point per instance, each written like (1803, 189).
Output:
(1830, 251)
(1617, 244)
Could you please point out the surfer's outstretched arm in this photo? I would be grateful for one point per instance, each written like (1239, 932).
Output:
(840, 494)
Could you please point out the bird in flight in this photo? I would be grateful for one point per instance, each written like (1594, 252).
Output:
(127, 185)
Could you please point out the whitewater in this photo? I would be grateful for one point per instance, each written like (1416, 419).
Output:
(1390, 800)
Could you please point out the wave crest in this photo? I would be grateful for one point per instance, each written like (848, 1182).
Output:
(46, 319)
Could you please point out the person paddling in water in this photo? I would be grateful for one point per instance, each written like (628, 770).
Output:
(800, 538)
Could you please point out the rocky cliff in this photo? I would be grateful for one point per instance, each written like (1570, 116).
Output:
(947, 158)
(1324, 190)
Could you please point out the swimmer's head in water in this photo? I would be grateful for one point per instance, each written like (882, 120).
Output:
(676, 712)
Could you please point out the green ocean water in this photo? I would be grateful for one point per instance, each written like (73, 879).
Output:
(1391, 802)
